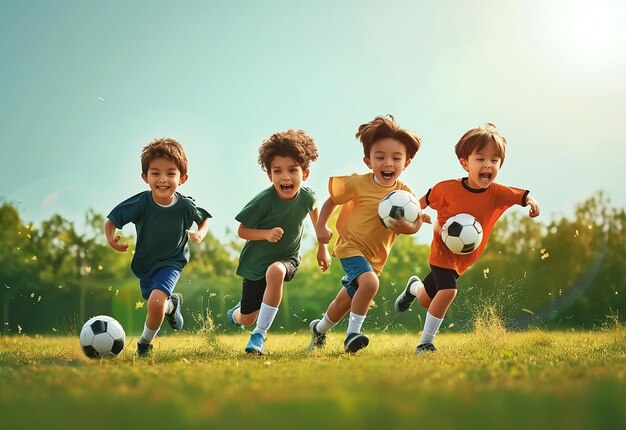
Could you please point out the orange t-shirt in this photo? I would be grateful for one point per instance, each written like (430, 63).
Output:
(361, 232)
(454, 196)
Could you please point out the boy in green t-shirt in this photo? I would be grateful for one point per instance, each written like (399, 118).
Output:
(272, 224)
(162, 218)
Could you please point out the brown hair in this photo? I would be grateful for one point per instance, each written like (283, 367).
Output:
(164, 148)
(478, 138)
(383, 127)
(291, 143)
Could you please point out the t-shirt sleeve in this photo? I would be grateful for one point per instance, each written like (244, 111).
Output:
(311, 199)
(342, 189)
(199, 214)
(253, 212)
(130, 210)
(509, 196)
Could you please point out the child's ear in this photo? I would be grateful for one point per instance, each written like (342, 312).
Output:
(407, 162)
(305, 174)
(144, 177)
(367, 162)
(183, 179)
(463, 162)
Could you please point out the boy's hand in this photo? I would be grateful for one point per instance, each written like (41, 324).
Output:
(534, 207)
(323, 233)
(196, 235)
(400, 226)
(323, 257)
(115, 244)
(274, 235)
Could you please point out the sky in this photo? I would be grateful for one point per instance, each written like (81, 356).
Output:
(86, 84)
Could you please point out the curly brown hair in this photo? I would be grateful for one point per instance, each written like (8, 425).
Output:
(476, 139)
(164, 148)
(291, 143)
(383, 127)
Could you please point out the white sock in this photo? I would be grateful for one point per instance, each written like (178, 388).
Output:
(431, 326)
(355, 323)
(325, 324)
(265, 319)
(415, 287)
(148, 334)
(169, 306)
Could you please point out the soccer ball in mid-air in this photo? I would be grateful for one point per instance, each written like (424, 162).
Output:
(462, 233)
(102, 336)
(398, 204)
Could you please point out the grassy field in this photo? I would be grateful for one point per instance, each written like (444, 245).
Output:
(488, 378)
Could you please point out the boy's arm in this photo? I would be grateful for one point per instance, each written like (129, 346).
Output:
(322, 231)
(198, 235)
(272, 235)
(534, 207)
(112, 238)
(323, 256)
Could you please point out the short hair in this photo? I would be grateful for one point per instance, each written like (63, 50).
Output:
(383, 127)
(291, 143)
(477, 139)
(164, 148)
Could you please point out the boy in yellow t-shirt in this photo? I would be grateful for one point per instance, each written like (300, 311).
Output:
(364, 243)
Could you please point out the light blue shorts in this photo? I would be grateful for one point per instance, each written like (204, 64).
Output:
(164, 279)
(354, 267)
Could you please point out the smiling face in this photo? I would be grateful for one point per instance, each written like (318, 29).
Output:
(482, 166)
(387, 160)
(286, 175)
(163, 177)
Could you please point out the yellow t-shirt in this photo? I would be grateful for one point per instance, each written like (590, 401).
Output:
(361, 232)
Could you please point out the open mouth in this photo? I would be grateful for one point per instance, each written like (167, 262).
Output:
(163, 187)
(286, 187)
(387, 175)
(484, 177)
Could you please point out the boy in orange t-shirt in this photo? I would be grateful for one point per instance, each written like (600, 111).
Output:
(481, 153)
(364, 243)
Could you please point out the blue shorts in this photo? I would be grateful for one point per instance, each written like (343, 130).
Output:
(354, 267)
(164, 279)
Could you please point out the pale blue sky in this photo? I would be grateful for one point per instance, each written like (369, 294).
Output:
(85, 84)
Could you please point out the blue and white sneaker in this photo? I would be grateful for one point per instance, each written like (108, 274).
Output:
(355, 342)
(229, 315)
(175, 318)
(255, 344)
(318, 340)
(405, 299)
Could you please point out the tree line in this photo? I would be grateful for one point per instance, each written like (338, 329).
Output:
(564, 273)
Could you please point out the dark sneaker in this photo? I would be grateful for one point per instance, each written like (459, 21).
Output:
(229, 315)
(144, 349)
(355, 342)
(255, 344)
(318, 340)
(405, 299)
(424, 347)
(175, 318)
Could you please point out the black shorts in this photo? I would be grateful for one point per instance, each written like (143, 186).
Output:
(440, 279)
(252, 291)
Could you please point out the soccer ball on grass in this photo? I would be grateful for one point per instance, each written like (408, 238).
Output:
(102, 336)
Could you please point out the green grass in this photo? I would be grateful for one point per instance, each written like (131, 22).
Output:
(489, 378)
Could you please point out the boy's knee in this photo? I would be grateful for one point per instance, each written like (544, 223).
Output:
(276, 270)
(368, 282)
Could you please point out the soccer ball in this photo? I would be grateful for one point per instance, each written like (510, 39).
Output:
(102, 336)
(398, 204)
(462, 233)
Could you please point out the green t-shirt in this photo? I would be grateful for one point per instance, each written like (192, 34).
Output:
(161, 231)
(266, 211)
